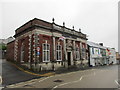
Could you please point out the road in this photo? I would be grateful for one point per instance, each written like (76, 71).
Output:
(101, 77)
(12, 75)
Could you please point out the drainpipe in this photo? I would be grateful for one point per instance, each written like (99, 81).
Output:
(53, 48)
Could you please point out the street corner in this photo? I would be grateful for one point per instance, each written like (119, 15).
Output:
(33, 73)
(48, 74)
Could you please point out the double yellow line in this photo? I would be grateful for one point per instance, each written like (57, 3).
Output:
(46, 74)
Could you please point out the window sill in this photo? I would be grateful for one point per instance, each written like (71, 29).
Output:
(58, 60)
(46, 61)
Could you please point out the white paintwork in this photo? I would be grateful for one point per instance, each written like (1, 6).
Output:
(65, 53)
(54, 47)
(15, 49)
(46, 50)
(96, 56)
(112, 56)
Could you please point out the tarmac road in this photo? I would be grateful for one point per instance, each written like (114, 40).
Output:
(101, 77)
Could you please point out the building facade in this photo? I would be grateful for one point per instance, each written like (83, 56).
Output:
(3, 46)
(96, 53)
(10, 51)
(118, 57)
(100, 55)
(111, 54)
(48, 46)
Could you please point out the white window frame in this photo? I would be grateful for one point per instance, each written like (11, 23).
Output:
(83, 53)
(77, 53)
(46, 52)
(22, 52)
(58, 51)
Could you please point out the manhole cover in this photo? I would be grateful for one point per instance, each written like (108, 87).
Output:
(58, 80)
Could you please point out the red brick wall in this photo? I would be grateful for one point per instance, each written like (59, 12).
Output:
(19, 51)
(10, 51)
(26, 43)
(24, 40)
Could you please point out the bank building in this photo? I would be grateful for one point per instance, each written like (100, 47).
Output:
(48, 46)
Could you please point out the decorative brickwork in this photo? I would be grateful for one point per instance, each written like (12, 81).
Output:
(15, 50)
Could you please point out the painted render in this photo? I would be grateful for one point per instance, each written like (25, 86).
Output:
(100, 55)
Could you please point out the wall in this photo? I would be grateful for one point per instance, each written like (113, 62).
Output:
(10, 51)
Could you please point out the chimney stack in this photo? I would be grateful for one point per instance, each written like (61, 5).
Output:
(101, 44)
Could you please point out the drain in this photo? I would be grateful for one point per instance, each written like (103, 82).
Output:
(58, 80)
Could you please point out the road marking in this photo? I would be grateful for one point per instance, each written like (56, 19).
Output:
(27, 82)
(18, 85)
(46, 74)
(22, 83)
(1, 88)
(0, 80)
(74, 72)
(45, 78)
(58, 75)
(117, 82)
(67, 83)
(49, 76)
(80, 78)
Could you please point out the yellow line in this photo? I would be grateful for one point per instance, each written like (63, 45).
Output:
(46, 74)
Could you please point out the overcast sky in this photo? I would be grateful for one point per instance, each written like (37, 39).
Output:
(96, 18)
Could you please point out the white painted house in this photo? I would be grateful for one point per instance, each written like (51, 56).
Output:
(111, 53)
(96, 54)
(101, 55)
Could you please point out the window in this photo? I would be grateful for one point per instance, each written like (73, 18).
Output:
(46, 52)
(59, 52)
(22, 52)
(92, 50)
(98, 51)
(77, 54)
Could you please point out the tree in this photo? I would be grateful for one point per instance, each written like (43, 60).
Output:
(3, 46)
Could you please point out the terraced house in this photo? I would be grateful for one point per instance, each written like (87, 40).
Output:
(100, 55)
(47, 46)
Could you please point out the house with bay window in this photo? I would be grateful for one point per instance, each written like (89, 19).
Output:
(48, 46)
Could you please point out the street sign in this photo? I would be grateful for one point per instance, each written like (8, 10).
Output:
(38, 48)
(38, 53)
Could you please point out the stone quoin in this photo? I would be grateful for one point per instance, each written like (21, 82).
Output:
(47, 46)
